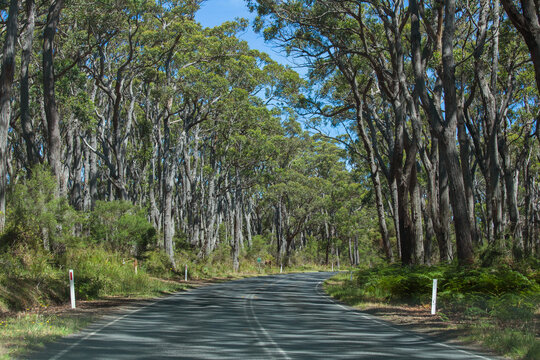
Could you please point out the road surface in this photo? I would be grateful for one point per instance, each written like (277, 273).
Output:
(272, 317)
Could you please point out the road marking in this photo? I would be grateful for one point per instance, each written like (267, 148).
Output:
(249, 303)
(372, 318)
(66, 350)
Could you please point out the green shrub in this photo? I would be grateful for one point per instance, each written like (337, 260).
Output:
(501, 301)
(100, 272)
(260, 248)
(121, 226)
(35, 215)
(157, 263)
(534, 351)
(29, 279)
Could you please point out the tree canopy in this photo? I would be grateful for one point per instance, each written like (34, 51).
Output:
(134, 103)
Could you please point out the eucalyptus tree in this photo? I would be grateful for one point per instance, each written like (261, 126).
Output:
(7, 75)
(454, 82)
(526, 18)
(49, 96)
(334, 34)
(28, 130)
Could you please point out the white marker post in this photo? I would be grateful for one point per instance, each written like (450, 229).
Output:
(185, 273)
(281, 268)
(434, 298)
(72, 289)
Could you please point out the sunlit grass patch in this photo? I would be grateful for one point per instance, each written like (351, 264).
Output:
(28, 332)
(513, 343)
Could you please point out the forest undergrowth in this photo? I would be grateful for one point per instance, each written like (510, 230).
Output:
(498, 307)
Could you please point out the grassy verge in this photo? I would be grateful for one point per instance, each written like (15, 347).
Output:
(497, 307)
(30, 331)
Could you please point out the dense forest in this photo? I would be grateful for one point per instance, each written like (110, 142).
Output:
(414, 137)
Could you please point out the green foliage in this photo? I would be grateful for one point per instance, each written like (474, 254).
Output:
(260, 248)
(221, 255)
(100, 272)
(36, 216)
(157, 263)
(32, 331)
(121, 226)
(29, 278)
(534, 351)
(501, 300)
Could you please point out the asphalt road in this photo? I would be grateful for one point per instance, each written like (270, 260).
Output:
(273, 317)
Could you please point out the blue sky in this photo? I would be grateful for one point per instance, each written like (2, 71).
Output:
(216, 12)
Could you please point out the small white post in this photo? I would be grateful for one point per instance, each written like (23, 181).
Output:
(281, 268)
(185, 273)
(72, 289)
(351, 275)
(434, 298)
(136, 265)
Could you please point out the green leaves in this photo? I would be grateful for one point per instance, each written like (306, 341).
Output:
(120, 226)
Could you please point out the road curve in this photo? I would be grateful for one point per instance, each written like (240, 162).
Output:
(271, 317)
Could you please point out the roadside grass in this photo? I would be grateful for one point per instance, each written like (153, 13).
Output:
(496, 307)
(26, 332)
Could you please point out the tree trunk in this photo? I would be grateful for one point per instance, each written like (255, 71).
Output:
(416, 217)
(7, 75)
(168, 185)
(49, 97)
(528, 24)
(511, 177)
(375, 179)
(32, 152)
(442, 230)
(430, 234)
(447, 138)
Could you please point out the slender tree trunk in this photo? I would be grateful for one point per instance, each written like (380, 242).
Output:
(7, 75)
(430, 234)
(394, 192)
(351, 253)
(442, 231)
(49, 97)
(168, 185)
(356, 251)
(375, 178)
(464, 155)
(511, 177)
(447, 138)
(32, 153)
(416, 217)
(237, 232)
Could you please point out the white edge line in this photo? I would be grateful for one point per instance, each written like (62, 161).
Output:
(355, 311)
(66, 350)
